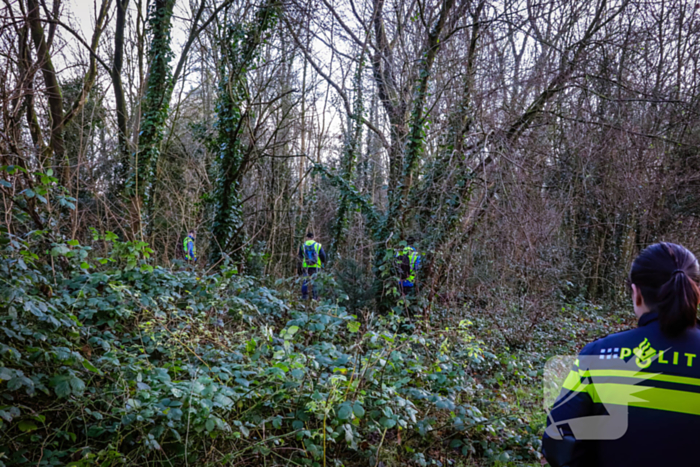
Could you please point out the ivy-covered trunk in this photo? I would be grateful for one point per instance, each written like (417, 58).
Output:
(238, 51)
(445, 190)
(393, 222)
(155, 106)
(351, 149)
(227, 223)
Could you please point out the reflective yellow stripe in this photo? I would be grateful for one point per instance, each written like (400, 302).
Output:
(573, 377)
(631, 395)
(641, 375)
(573, 382)
(317, 249)
(635, 395)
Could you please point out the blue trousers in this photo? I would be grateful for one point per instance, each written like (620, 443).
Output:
(309, 283)
(406, 289)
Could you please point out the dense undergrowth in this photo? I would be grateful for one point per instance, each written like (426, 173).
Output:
(111, 361)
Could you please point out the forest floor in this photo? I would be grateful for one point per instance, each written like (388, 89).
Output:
(510, 391)
(514, 390)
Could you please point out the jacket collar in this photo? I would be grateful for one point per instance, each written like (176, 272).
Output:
(647, 318)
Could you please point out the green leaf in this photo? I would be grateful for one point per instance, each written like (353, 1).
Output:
(358, 410)
(445, 404)
(90, 367)
(49, 172)
(344, 412)
(251, 346)
(210, 424)
(60, 385)
(27, 426)
(292, 330)
(353, 326)
(73, 242)
(84, 265)
(6, 374)
(387, 422)
(77, 385)
(60, 250)
(9, 413)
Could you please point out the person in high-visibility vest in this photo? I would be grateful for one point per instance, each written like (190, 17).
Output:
(189, 247)
(407, 263)
(633, 398)
(311, 258)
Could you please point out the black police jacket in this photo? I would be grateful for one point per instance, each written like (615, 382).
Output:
(631, 399)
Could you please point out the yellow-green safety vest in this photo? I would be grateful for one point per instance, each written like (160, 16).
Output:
(412, 257)
(317, 249)
(185, 245)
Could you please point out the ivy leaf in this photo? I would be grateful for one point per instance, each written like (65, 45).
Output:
(353, 326)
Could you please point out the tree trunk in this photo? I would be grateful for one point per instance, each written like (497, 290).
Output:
(119, 99)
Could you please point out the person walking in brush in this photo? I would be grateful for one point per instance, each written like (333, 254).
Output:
(189, 247)
(312, 258)
(407, 264)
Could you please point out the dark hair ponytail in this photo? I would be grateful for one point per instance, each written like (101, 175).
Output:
(667, 276)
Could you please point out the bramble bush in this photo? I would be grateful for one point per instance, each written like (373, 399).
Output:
(109, 360)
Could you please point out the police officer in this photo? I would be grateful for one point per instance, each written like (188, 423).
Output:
(311, 258)
(189, 247)
(633, 398)
(408, 261)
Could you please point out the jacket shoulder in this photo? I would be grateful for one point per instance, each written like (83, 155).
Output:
(619, 339)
